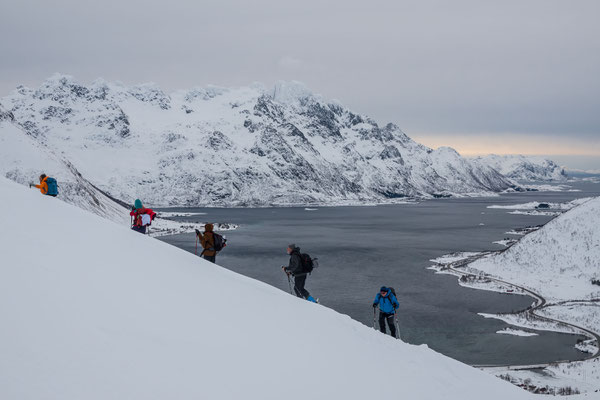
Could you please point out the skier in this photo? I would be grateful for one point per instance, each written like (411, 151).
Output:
(297, 269)
(142, 217)
(207, 240)
(47, 186)
(387, 303)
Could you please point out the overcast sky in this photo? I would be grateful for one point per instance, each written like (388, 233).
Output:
(481, 76)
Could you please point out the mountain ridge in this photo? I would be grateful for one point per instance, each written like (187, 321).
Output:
(525, 168)
(237, 146)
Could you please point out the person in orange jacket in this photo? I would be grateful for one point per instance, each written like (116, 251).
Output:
(43, 186)
(47, 186)
(142, 216)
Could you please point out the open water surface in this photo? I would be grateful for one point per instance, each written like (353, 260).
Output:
(362, 248)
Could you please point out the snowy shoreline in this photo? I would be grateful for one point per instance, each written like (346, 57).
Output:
(167, 227)
(566, 316)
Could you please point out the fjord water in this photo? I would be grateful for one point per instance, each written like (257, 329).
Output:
(362, 248)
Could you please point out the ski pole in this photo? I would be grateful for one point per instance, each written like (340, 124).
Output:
(196, 244)
(374, 319)
(290, 284)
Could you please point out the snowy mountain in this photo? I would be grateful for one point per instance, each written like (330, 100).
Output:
(243, 146)
(525, 168)
(561, 263)
(23, 159)
(559, 260)
(141, 319)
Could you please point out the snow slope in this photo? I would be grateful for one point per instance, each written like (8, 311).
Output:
(557, 261)
(91, 310)
(525, 168)
(23, 159)
(242, 146)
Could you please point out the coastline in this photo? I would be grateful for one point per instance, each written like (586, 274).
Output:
(559, 376)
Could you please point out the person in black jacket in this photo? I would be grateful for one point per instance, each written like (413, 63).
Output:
(296, 269)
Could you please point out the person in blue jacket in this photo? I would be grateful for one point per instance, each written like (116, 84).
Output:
(387, 303)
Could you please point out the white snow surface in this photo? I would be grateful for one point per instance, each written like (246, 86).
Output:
(243, 146)
(516, 332)
(557, 261)
(532, 205)
(23, 159)
(525, 168)
(92, 310)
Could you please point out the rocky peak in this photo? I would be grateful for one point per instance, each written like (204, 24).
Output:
(287, 146)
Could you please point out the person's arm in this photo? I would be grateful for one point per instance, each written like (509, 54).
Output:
(207, 241)
(43, 187)
(376, 301)
(395, 303)
(151, 213)
(294, 265)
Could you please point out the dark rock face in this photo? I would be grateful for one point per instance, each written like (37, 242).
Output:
(6, 115)
(238, 146)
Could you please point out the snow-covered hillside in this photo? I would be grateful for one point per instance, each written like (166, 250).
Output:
(525, 168)
(91, 310)
(244, 146)
(557, 261)
(23, 159)
(561, 263)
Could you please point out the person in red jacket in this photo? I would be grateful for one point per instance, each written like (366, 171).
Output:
(142, 217)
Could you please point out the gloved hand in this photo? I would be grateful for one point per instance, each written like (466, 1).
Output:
(374, 305)
(30, 185)
(197, 232)
(133, 208)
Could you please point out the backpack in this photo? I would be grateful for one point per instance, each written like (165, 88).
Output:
(219, 242)
(52, 187)
(308, 264)
(146, 220)
(393, 291)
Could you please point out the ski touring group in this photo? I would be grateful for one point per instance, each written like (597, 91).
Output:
(299, 267)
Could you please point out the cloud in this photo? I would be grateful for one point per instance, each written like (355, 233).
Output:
(510, 67)
(288, 62)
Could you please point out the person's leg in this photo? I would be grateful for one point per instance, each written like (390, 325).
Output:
(305, 292)
(140, 229)
(299, 282)
(390, 321)
(382, 322)
(212, 259)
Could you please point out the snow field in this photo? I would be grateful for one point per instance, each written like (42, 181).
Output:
(92, 310)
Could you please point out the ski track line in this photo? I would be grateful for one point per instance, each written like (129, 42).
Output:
(540, 303)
